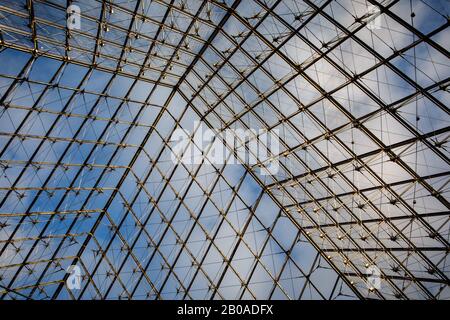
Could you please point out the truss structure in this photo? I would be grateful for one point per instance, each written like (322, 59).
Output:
(358, 91)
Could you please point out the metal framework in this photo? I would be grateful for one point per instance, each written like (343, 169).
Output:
(358, 91)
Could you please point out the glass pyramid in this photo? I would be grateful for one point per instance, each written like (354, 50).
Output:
(357, 93)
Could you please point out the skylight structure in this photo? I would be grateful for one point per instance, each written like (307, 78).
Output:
(355, 203)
